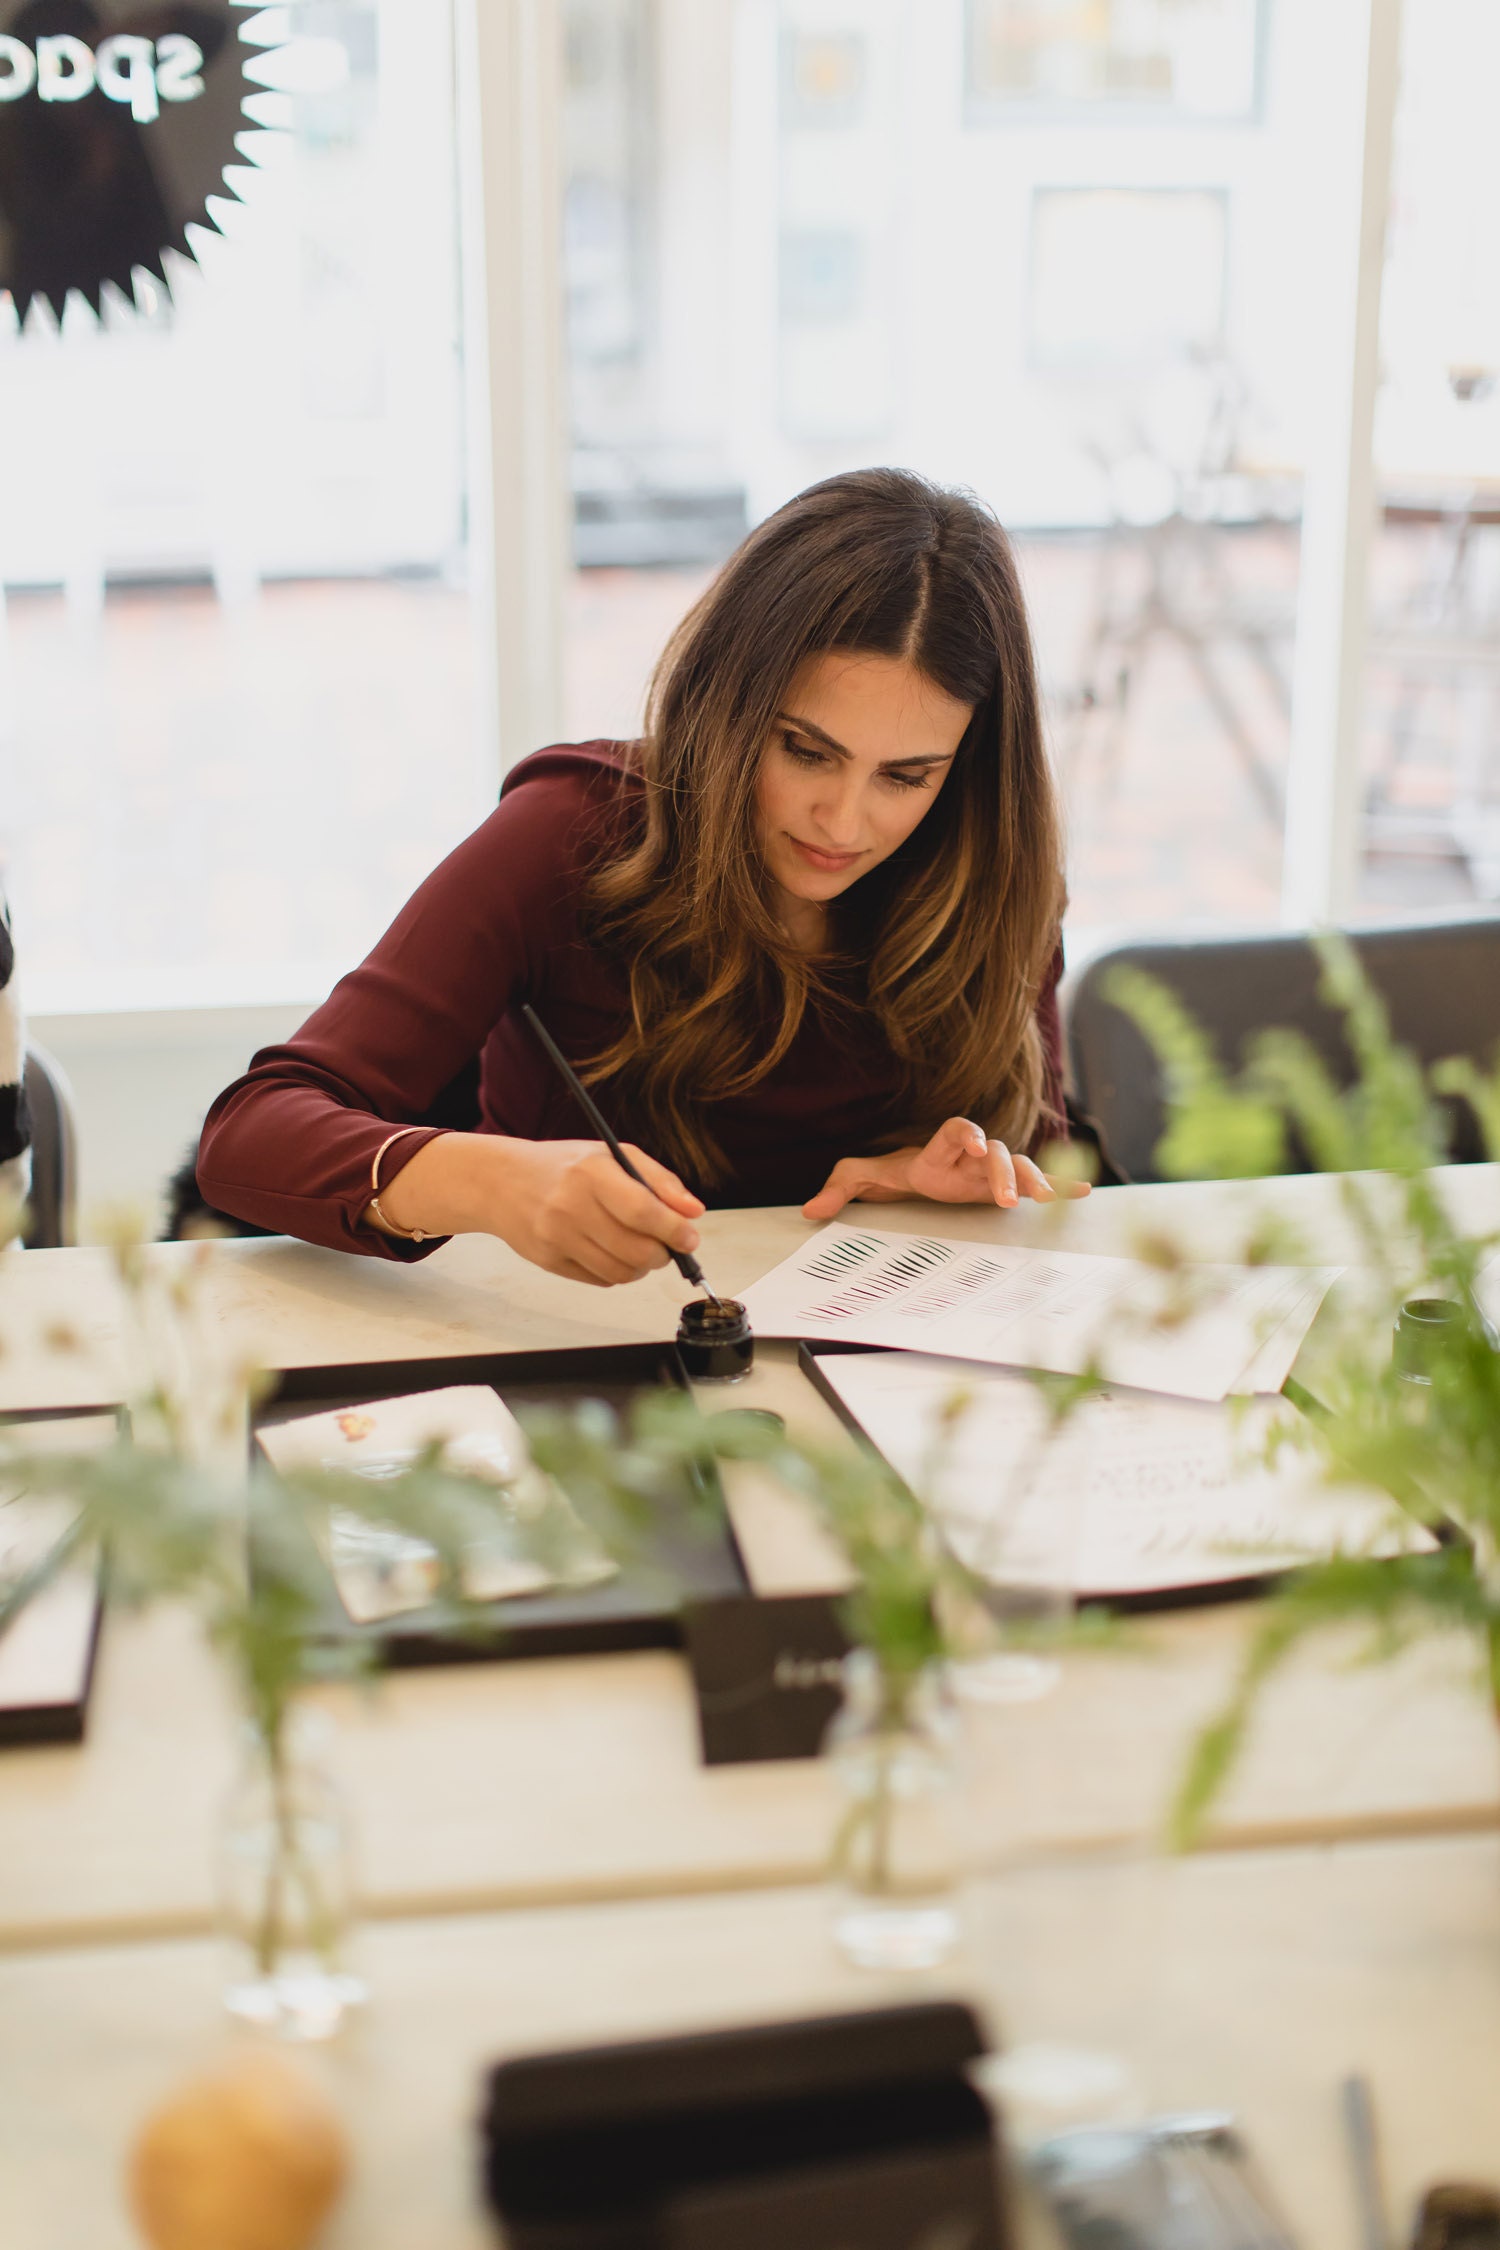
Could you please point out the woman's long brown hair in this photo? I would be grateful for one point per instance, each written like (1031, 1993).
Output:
(946, 942)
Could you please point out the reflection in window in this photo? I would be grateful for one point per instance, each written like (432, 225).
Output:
(235, 708)
(641, 495)
(822, 276)
(1192, 58)
(1126, 277)
(607, 126)
(823, 77)
(1433, 691)
(838, 125)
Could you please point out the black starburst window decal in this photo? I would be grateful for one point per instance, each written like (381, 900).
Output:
(118, 119)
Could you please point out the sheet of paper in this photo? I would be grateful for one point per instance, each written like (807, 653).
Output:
(381, 1572)
(1059, 1310)
(1134, 1495)
(44, 1658)
(1274, 1360)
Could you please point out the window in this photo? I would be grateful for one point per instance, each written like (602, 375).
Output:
(1090, 318)
(1430, 799)
(1187, 59)
(1124, 278)
(238, 718)
(1069, 258)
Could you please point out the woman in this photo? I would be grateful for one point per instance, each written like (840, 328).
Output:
(802, 938)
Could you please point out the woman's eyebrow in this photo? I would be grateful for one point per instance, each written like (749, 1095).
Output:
(806, 726)
(917, 758)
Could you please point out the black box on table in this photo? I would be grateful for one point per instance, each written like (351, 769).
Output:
(855, 2129)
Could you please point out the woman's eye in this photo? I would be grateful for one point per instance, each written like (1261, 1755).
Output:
(803, 754)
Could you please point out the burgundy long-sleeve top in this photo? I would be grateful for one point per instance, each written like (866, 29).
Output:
(402, 1039)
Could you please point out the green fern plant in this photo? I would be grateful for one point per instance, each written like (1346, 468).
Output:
(912, 1602)
(1433, 1447)
(174, 1517)
(173, 1514)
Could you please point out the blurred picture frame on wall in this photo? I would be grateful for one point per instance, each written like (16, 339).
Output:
(1195, 60)
(824, 76)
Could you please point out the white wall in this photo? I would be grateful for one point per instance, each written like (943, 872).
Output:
(142, 1081)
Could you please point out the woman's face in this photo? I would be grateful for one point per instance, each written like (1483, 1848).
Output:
(859, 751)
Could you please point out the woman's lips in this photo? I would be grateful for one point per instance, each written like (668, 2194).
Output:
(827, 863)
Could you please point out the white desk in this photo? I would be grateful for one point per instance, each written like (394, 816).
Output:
(1261, 1980)
(302, 1306)
(1252, 1979)
(503, 1785)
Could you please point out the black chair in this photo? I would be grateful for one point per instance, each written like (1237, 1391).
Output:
(52, 1204)
(1440, 982)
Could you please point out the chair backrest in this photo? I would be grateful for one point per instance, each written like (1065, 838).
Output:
(52, 1209)
(1440, 982)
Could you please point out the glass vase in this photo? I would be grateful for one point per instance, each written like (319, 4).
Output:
(286, 1889)
(895, 1863)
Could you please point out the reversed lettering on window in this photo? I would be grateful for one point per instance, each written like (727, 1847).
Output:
(119, 121)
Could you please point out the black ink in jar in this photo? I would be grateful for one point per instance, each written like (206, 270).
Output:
(714, 1339)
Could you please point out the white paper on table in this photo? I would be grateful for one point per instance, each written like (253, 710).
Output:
(381, 1572)
(45, 1656)
(1058, 1310)
(1274, 1359)
(1134, 1495)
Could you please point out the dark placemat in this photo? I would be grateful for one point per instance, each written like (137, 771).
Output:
(688, 1553)
(67, 1616)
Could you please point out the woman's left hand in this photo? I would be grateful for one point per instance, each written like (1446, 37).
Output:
(958, 1165)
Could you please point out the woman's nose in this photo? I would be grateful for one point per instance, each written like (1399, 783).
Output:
(837, 810)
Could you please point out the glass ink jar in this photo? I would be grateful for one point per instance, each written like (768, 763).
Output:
(714, 1339)
(1428, 1329)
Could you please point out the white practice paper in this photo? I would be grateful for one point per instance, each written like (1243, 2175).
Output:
(46, 1655)
(1061, 1311)
(380, 1571)
(1134, 1495)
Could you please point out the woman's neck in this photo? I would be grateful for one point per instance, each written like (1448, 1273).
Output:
(805, 921)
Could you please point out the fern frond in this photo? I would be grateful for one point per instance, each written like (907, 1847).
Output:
(1213, 1131)
(1396, 1596)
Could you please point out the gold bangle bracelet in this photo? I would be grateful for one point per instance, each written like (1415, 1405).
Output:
(402, 1234)
(389, 1226)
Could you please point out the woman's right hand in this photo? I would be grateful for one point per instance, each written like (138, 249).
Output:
(565, 1205)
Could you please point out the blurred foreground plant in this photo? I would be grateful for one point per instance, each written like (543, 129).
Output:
(1432, 1444)
(178, 1510)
